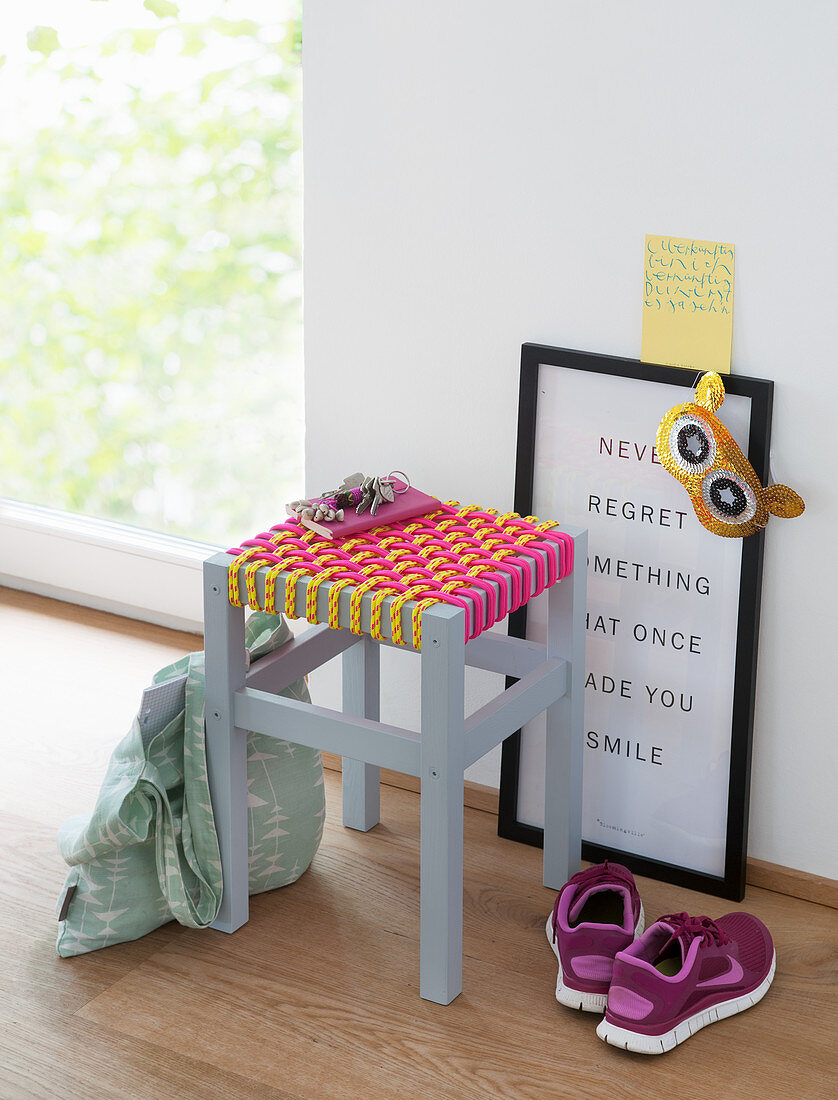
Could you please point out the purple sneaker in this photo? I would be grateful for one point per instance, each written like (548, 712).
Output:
(684, 973)
(596, 914)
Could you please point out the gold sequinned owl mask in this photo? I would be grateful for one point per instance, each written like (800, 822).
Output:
(697, 449)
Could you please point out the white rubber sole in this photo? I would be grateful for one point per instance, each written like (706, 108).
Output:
(660, 1044)
(576, 998)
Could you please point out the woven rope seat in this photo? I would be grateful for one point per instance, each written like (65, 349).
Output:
(474, 558)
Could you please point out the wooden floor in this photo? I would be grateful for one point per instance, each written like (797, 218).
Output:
(317, 996)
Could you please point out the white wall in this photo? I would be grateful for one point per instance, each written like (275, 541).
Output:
(479, 174)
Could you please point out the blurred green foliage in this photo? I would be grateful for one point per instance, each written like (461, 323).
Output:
(150, 351)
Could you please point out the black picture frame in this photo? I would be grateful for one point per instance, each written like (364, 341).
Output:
(731, 884)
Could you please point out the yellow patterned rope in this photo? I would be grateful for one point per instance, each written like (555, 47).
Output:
(291, 557)
(389, 540)
(271, 577)
(404, 567)
(233, 590)
(377, 605)
(438, 552)
(330, 561)
(414, 580)
(334, 602)
(396, 611)
(349, 544)
(355, 604)
(417, 620)
(451, 571)
(370, 571)
(453, 586)
(483, 566)
(250, 571)
(313, 587)
(291, 589)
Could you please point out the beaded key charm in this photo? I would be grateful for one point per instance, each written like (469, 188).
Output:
(356, 491)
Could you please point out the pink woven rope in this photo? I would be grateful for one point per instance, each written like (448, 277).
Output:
(463, 549)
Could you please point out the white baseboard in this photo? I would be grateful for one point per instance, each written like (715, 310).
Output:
(108, 566)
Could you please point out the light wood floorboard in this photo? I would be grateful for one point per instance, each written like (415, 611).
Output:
(317, 996)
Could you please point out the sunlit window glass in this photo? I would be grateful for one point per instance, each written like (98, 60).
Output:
(150, 329)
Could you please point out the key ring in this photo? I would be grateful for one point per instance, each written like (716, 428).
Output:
(404, 478)
(357, 491)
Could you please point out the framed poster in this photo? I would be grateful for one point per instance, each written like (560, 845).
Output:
(672, 620)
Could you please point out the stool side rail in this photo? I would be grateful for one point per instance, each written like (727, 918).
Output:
(299, 656)
(513, 708)
(311, 649)
(320, 728)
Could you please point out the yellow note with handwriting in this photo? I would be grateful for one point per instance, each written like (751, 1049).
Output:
(688, 303)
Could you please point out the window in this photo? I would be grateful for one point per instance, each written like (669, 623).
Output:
(150, 297)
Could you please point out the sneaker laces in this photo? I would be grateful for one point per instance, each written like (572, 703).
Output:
(600, 874)
(686, 928)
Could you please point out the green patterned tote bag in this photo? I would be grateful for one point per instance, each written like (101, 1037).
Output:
(148, 853)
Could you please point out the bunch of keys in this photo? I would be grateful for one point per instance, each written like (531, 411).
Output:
(356, 491)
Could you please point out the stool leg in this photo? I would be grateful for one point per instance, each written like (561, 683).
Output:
(565, 722)
(441, 866)
(225, 671)
(361, 696)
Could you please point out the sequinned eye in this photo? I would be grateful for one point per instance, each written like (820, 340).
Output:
(692, 444)
(728, 497)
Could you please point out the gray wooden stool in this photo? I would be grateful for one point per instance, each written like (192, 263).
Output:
(550, 678)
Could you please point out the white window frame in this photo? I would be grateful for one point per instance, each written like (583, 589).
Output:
(98, 563)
